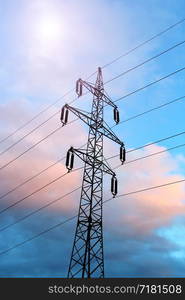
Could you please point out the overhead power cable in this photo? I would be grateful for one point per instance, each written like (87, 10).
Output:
(150, 110)
(38, 210)
(34, 117)
(38, 235)
(155, 153)
(149, 84)
(157, 141)
(53, 115)
(33, 146)
(74, 217)
(26, 135)
(121, 98)
(148, 189)
(36, 191)
(104, 66)
(152, 143)
(60, 198)
(149, 155)
(58, 161)
(32, 177)
(144, 43)
(146, 61)
(56, 113)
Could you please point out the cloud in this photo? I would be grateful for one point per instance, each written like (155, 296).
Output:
(37, 159)
(56, 244)
(131, 223)
(140, 257)
(140, 230)
(142, 213)
(32, 74)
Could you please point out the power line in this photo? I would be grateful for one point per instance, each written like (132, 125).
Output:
(131, 69)
(73, 217)
(146, 61)
(121, 98)
(149, 84)
(38, 210)
(157, 141)
(33, 146)
(148, 189)
(55, 163)
(149, 155)
(38, 235)
(31, 178)
(155, 153)
(26, 135)
(106, 65)
(59, 128)
(34, 176)
(144, 43)
(152, 143)
(56, 200)
(127, 71)
(36, 191)
(31, 194)
(150, 110)
(53, 115)
(37, 115)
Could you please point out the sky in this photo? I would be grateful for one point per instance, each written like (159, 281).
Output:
(46, 45)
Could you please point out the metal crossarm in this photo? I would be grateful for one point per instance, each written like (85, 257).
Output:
(96, 92)
(89, 159)
(96, 125)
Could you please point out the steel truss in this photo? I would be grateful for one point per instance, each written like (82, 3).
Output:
(87, 257)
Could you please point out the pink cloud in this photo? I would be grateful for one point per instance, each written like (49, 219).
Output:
(40, 157)
(140, 213)
(147, 211)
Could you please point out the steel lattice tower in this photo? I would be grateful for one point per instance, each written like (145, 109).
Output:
(87, 258)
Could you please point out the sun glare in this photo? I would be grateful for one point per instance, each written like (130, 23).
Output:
(49, 29)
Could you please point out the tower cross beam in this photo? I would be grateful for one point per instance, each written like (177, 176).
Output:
(89, 159)
(94, 124)
(96, 92)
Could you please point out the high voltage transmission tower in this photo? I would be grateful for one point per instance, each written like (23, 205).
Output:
(87, 258)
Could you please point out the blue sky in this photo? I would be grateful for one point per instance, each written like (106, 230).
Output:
(45, 47)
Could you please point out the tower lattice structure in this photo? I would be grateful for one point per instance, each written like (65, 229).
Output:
(87, 257)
